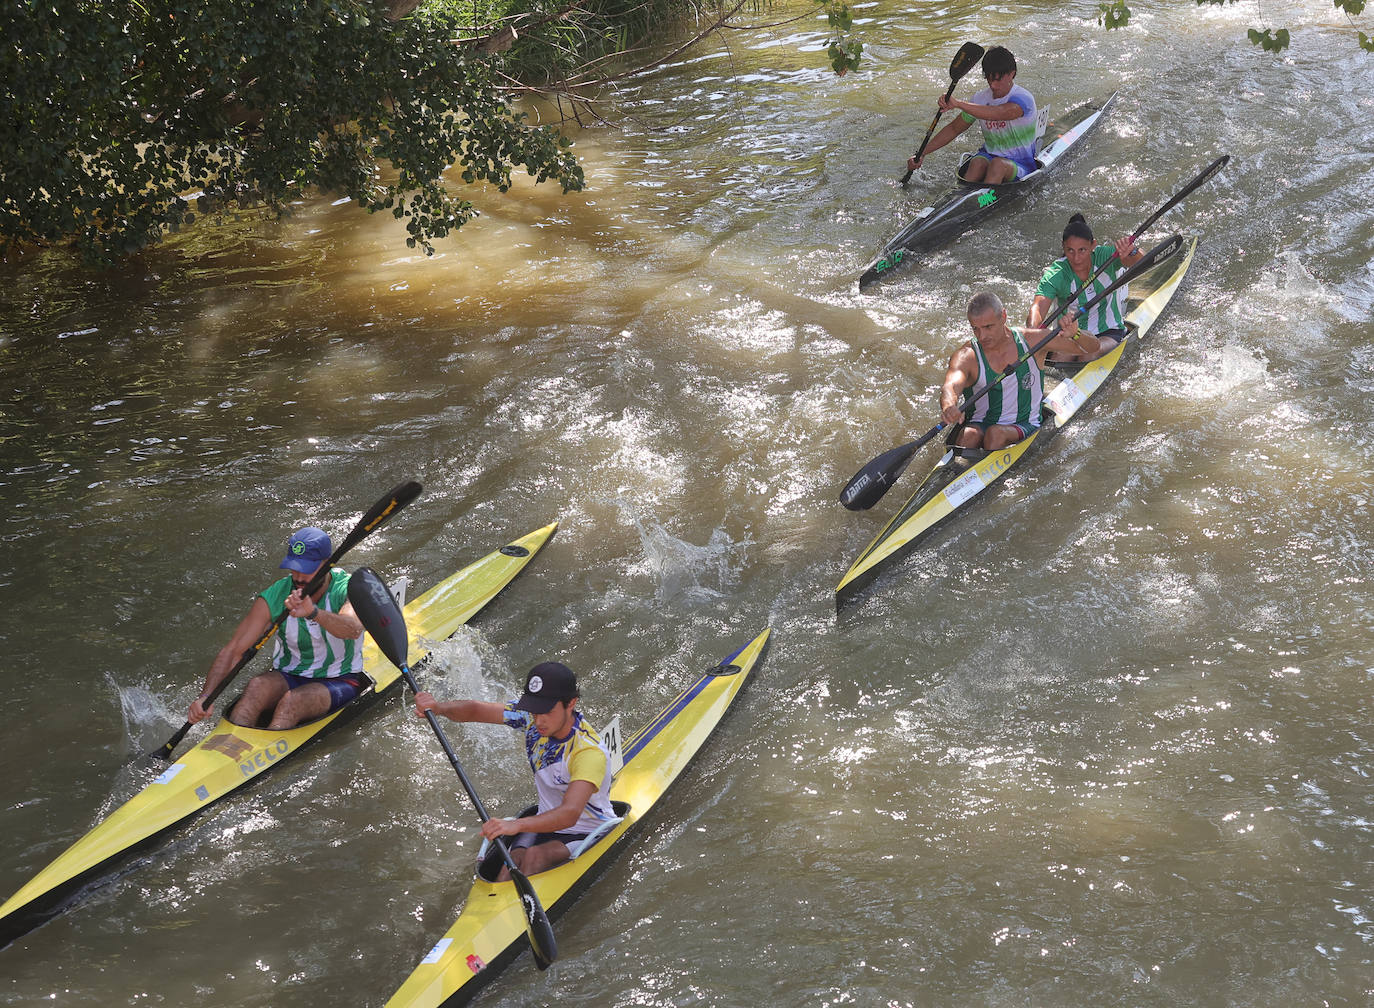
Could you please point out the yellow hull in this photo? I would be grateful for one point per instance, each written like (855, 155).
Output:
(232, 756)
(490, 932)
(940, 495)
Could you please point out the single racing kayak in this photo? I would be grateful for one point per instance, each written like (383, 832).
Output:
(963, 474)
(232, 756)
(490, 932)
(961, 209)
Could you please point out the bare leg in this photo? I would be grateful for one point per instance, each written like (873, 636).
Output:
(1000, 436)
(262, 693)
(304, 703)
(540, 857)
(1000, 171)
(976, 170)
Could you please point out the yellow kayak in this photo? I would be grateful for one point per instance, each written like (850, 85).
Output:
(232, 756)
(490, 932)
(960, 476)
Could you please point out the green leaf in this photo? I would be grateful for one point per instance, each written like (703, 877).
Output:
(1114, 15)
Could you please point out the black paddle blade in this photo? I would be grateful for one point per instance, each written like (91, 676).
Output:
(378, 515)
(875, 479)
(965, 60)
(1166, 249)
(379, 614)
(537, 926)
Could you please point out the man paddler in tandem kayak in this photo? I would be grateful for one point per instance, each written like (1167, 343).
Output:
(571, 768)
(317, 657)
(1011, 410)
(1006, 111)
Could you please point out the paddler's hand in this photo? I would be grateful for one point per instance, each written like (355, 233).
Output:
(424, 702)
(198, 712)
(1070, 326)
(300, 606)
(952, 415)
(912, 163)
(493, 828)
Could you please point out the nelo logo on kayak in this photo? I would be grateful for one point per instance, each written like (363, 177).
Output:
(265, 757)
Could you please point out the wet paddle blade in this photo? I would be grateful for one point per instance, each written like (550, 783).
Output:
(964, 60)
(379, 614)
(542, 943)
(875, 479)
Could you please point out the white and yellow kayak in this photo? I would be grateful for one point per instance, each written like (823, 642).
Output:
(232, 756)
(960, 475)
(490, 932)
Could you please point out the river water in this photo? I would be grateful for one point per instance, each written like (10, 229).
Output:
(1106, 740)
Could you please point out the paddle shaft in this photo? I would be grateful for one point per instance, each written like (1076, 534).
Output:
(377, 516)
(930, 131)
(381, 615)
(964, 60)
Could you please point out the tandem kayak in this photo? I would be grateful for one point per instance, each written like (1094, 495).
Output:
(962, 474)
(490, 932)
(232, 756)
(970, 202)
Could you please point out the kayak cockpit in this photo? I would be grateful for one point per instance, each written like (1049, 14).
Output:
(490, 862)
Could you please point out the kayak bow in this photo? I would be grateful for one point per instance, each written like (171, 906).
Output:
(958, 210)
(232, 756)
(490, 932)
(961, 475)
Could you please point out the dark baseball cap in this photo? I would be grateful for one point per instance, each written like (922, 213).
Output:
(306, 550)
(547, 684)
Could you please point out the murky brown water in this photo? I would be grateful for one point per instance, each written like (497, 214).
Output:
(1106, 740)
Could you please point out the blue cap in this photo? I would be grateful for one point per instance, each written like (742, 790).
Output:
(306, 550)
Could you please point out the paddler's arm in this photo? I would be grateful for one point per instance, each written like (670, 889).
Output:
(553, 821)
(1005, 112)
(947, 133)
(250, 630)
(480, 711)
(1069, 340)
(962, 374)
(1127, 252)
(1039, 309)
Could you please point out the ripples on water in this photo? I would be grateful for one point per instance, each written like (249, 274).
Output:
(1104, 741)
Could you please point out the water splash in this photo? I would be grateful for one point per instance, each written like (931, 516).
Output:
(690, 572)
(145, 714)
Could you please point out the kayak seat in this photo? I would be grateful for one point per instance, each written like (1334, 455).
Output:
(590, 840)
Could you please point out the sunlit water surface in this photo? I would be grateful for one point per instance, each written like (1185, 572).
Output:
(1106, 740)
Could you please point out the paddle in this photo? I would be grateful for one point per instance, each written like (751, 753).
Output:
(377, 516)
(875, 479)
(381, 616)
(1178, 198)
(964, 60)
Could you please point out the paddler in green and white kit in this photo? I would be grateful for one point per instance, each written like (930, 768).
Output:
(1011, 410)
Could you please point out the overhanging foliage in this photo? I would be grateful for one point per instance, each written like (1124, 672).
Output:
(116, 111)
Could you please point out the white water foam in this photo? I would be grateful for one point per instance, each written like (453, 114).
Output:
(686, 571)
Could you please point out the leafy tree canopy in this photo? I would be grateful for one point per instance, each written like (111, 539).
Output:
(115, 111)
(126, 118)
